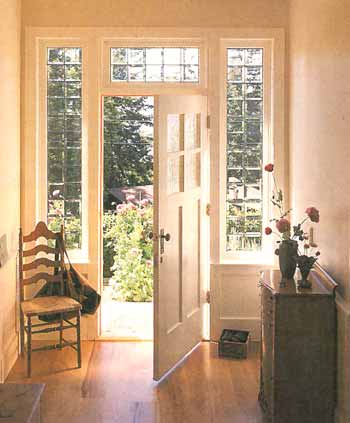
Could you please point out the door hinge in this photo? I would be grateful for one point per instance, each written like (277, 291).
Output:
(207, 297)
(208, 121)
(207, 210)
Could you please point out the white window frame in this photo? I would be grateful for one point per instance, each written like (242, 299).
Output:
(81, 254)
(272, 134)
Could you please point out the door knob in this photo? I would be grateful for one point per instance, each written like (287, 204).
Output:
(165, 236)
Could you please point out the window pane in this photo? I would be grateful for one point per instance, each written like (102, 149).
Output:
(154, 73)
(244, 194)
(154, 56)
(136, 56)
(119, 73)
(136, 73)
(191, 73)
(155, 64)
(191, 56)
(64, 122)
(119, 56)
(172, 73)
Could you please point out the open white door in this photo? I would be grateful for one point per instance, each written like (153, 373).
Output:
(180, 173)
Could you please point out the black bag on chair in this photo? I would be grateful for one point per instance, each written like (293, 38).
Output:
(75, 286)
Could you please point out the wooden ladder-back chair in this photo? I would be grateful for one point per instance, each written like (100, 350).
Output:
(61, 308)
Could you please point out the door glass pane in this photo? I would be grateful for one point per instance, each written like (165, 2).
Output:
(190, 131)
(173, 175)
(192, 170)
(173, 133)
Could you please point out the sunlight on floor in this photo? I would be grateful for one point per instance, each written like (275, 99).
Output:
(125, 319)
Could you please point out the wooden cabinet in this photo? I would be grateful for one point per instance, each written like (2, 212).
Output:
(20, 403)
(298, 350)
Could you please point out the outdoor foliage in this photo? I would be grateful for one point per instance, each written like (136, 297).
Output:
(128, 251)
(72, 228)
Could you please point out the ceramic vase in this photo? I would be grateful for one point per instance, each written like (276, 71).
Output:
(287, 253)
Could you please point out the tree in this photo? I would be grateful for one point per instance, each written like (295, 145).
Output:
(128, 147)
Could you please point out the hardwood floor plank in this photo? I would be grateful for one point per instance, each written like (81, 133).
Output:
(115, 385)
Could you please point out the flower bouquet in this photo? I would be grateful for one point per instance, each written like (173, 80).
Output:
(294, 246)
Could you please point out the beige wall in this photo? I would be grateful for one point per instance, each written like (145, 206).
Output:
(320, 124)
(257, 13)
(319, 143)
(9, 174)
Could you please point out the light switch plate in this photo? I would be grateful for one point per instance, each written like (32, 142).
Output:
(3, 250)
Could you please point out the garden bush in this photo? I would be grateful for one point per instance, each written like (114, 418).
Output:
(128, 251)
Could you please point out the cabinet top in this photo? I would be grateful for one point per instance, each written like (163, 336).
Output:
(322, 284)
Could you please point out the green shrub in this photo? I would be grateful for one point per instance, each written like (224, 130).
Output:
(128, 251)
(72, 230)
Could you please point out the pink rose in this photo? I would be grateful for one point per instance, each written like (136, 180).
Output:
(144, 202)
(269, 167)
(149, 263)
(268, 231)
(313, 214)
(134, 251)
(283, 225)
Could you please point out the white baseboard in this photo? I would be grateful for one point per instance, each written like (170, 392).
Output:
(250, 324)
(9, 357)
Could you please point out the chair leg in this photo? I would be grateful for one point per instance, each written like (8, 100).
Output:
(78, 340)
(29, 347)
(61, 331)
(21, 328)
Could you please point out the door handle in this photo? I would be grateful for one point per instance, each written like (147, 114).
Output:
(163, 237)
(166, 236)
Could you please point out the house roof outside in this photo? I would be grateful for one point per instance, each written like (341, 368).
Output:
(139, 192)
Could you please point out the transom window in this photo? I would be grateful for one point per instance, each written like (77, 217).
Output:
(64, 142)
(155, 64)
(244, 193)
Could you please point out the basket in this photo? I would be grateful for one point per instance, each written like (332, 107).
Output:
(234, 343)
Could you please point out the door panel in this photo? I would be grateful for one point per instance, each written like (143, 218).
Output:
(179, 213)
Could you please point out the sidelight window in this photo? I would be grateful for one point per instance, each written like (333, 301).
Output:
(244, 149)
(64, 142)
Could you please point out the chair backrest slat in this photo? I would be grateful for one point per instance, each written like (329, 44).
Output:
(42, 276)
(56, 263)
(39, 249)
(41, 262)
(41, 230)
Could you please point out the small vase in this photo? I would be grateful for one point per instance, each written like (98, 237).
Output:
(304, 282)
(287, 253)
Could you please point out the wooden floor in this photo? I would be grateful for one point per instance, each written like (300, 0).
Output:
(115, 385)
